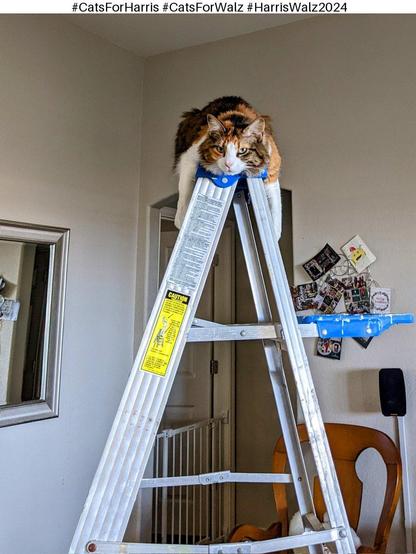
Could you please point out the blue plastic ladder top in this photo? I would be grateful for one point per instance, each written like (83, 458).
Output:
(225, 180)
(359, 325)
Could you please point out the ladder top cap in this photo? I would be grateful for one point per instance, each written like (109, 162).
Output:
(225, 180)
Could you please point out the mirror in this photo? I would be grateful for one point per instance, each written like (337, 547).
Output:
(33, 262)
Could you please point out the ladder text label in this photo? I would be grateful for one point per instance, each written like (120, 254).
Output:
(165, 333)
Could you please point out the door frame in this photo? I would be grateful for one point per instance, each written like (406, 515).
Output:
(153, 230)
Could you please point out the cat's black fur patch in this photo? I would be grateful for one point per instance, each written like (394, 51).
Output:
(239, 121)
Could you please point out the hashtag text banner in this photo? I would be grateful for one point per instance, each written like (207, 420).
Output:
(209, 7)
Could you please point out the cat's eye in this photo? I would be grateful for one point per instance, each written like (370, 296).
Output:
(243, 150)
(219, 148)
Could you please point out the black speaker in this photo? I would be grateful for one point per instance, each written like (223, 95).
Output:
(392, 392)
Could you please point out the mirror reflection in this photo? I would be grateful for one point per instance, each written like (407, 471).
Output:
(24, 277)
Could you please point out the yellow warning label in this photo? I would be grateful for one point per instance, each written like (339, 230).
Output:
(165, 333)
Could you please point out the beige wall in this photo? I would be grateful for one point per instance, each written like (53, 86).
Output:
(341, 91)
(69, 149)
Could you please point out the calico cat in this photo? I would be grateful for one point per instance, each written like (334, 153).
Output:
(227, 136)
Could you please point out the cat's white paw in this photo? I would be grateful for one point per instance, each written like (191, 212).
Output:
(275, 204)
(178, 221)
(179, 217)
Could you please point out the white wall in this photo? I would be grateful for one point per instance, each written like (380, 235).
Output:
(69, 153)
(341, 93)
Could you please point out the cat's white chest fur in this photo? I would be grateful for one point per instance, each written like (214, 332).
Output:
(186, 168)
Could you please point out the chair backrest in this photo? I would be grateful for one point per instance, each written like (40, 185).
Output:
(346, 443)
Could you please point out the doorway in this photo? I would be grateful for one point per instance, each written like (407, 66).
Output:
(197, 428)
(204, 381)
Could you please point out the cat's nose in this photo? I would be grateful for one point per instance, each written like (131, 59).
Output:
(228, 165)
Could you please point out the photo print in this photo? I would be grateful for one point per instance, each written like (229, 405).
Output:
(9, 309)
(364, 342)
(304, 296)
(358, 254)
(329, 295)
(357, 294)
(321, 263)
(380, 300)
(329, 348)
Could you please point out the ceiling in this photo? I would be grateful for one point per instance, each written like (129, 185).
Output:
(148, 35)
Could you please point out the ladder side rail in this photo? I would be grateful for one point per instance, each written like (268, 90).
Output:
(222, 198)
(307, 394)
(117, 480)
(274, 360)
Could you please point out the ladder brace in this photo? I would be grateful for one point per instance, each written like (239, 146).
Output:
(248, 331)
(324, 326)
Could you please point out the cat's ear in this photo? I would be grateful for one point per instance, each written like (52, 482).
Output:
(255, 129)
(214, 124)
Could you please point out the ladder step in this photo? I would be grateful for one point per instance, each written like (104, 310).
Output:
(216, 477)
(259, 547)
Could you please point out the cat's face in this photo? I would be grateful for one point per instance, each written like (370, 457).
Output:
(233, 149)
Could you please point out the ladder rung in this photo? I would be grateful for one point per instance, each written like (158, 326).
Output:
(217, 477)
(259, 547)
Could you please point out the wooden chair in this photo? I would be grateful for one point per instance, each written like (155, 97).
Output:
(346, 442)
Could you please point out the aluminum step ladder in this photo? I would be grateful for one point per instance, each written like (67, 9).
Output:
(120, 472)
